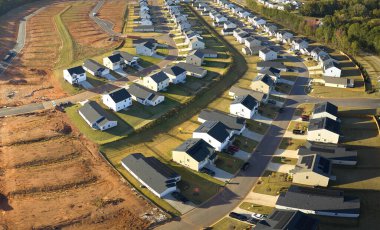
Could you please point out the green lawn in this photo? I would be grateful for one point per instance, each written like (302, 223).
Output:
(291, 143)
(304, 109)
(244, 143)
(66, 54)
(268, 110)
(256, 208)
(284, 160)
(228, 163)
(257, 127)
(298, 125)
(272, 183)
(228, 223)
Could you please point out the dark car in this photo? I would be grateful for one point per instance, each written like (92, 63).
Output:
(270, 101)
(238, 216)
(253, 221)
(245, 166)
(281, 110)
(298, 132)
(305, 118)
(207, 171)
(9, 56)
(178, 196)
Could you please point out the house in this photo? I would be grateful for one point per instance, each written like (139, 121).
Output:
(312, 170)
(252, 41)
(94, 68)
(338, 155)
(338, 82)
(267, 54)
(244, 106)
(284, 36)
(259, 22)
(227, 31)
(267, 64)
(117, 99)
(183, 25)
(324, 130)
(332, 69)
(287, 220)
(194, 153)
(272, 72)
(144, 95)
(142, 28)
(229, 25)
(95, 116)
(193, 70)
(251, 50)
(319, 201)
(269, 27)
(146, 22)
(196, 43)
(175, 73)
(299, 44)
(325, 109)
(74, 75)
(325, 59)
(209, 53)
(317, 52)
(195, 57)
(215, 133)
(146, 48)
(262, 83)
(220, 18)
(240, 37)
(156, 81)
(237, 31)
(128, 58)
(307, 51)
(235, 124)
(244, 14)
(114, 61)
(152, 173)
(235, 92)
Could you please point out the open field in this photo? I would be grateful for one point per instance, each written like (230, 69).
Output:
(228, 223)
(371, 63)
(114, 11)
(61, 167)
(272, 183)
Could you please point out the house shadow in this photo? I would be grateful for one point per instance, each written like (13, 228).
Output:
(4, 203)
(346, 64)
(351, 72)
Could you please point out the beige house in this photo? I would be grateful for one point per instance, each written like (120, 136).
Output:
(312, 170)
(194, 153)
(325, 130)
(262, 83)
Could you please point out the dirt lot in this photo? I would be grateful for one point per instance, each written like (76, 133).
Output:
(61, 181)
(114, 11)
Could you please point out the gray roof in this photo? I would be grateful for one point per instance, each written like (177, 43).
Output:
(197, 53)
(126, 56)
(173, 70)
(93, 112)
(259, 96)
(119, 94)
(332, 63)
(267, 50)
(324, 123)
(191, 68)
(266, 79)
(318, 199)
(142, 92)
(197, 148)
(159, 77)
(208, 51)
(288, 220)
(329, 152)
(326, 107)
(274, 64)
(93, 65)
(338, 80)
(152, 171)
(313, 163)
(148, 44)
(232, 122)
(215, 129)
(271, 71)
(247, 101)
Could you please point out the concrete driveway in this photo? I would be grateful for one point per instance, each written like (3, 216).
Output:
(219, 173)
(110, 77)
(286, 153)
(258, 117)
(252, 135)
(121, 72)
(182, 208)
(86, 85)
(282, 168)
(261, 199)
(242, 155)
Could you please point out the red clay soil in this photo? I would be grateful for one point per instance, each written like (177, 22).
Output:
(113, 11)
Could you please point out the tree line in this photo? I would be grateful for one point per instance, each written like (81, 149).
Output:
(7, 5)
(349, 28)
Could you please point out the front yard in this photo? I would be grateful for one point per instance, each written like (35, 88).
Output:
(272, 183)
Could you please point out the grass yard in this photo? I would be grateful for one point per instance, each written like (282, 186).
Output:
(256, 208)
(257, 127)
(268, 110)
(291, 144)
(228, 223)
(304, 109)
(272, 183)
(298, 125)
(244, 143)
(66, 54)
(222, 104)
(284, 160)
(228, 163)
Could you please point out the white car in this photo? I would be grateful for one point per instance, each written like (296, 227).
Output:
(257, 216)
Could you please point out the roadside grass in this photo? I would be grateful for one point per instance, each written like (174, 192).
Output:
(284, 160)
(244, 143)
(291, 143)
(298, 125)
(268, 110)
(228, 163)
(66, 54)
(273, 183)
(371, 63)
(228, 223)
(304, 109)
(256, 208)
(257, 127)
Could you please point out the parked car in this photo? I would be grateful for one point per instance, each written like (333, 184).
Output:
(305, 117)
(253, 221)
(270, 101)
(258, 216)
(178, 196)
(207, 171)
(238, 216)
(245, 166)
(281, 110)
(298, 132)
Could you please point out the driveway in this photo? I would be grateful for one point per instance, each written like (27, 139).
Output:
(110, 77)
(261, 199)
(219, 173)
(286, 153)
(282, 168)
(121, 72)
(86, 85)
(290, 134)
(252, 135)
(258, 117)
(242, 155)
(182, 208)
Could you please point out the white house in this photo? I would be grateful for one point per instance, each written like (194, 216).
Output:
(145, 96)
(114, 62)
(316, 53)
(332, 69)
(95, 68)
(338, 82)
(146, 48)
(95, 116)
(324, 130)
(214, 133)
(284, 36)
(272, 72)
(259, 22)
(299, 44)
(193, 70)
(244, 106)
(267, 54)
(325, 109)
(146, 22)
(252, 41)
(74, 75)
(128, 58)
(220, 18)
(117, 99)
(175, 73)
(240, 37)
(196, 43)
(195, 57)
(156, 81)
(229, 25)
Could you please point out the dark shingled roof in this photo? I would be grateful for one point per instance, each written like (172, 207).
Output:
(153, 172)
(115, 58)
(159, 77)
(142, 92)
(265, 78)
(232, 122)
(76, 70)
(266, 50)
(93, 112)
(93, 65)
(271, 71)
(326, 107)
(329, 152)
(277, 65)
(259, 96)
(318, 199)
(126, 56)
(120, 94)
(324, 123)
(197, 53)
(288, 220)
(332, 64)
(197, 148)
(215, 129)
(148, 44)
(174, 70)
(314, 163)
(247, 100)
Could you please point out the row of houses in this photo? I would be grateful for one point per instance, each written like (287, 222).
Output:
(145, 19)
(330, 66)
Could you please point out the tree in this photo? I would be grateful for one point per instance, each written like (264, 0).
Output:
(355, 47)
(353, 31)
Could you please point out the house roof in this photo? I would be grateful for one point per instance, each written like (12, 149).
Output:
(288, 220)
(191, 68)
(125, 55)
(325, 57)
(266, 79)
(93, 112)
(76, 70)
(93, 65)
(324, 123)
(271, 71)
(299, 40)
(326, 107)
(232, 122)
(251, 38)
(174, 70)
(319, 199)
(115, 58)
(331, 64)
(208, 52)
(197, 53)
(337, 80)
(148, 44)
(313, 163)
(215, 129)
(266, 50)
(247, 101)
(317, 50)
(159, 77)
(277, 65)
(329, 152)
(142, 92)
(119, 94)
(197, 148)
(153, 172)
(259, 96)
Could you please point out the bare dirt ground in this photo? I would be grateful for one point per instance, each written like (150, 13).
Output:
(113, 11)
(52, 177)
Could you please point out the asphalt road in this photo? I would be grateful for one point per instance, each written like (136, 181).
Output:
(21, 109)
(105, 25)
